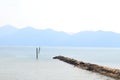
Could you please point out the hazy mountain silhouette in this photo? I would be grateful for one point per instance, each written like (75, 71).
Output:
(6, 30)
(29, 36)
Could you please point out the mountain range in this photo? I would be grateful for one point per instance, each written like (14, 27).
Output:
(29, 36)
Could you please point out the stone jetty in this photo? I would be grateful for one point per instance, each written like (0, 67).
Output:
(106, 71)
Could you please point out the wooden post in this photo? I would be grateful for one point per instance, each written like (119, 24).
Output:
(39, 50)
(36, 53)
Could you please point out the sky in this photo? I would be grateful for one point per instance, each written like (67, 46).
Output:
(62, 15)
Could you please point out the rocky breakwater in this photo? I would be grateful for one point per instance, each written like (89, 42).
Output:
(106, 71)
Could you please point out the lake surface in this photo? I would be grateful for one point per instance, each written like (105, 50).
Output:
(19, 63)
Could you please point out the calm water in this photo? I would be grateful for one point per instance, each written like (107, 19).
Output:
(18, 63)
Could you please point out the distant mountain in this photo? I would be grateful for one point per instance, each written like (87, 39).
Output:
(7, 29)
(30, 37)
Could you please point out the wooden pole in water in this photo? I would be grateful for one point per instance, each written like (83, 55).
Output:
(36, 53)
(39, 50)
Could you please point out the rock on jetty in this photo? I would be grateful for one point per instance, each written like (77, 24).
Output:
(106, 71)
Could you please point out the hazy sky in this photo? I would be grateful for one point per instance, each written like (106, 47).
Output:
(62, 15)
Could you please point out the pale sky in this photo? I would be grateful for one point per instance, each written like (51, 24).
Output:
(62, 15)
